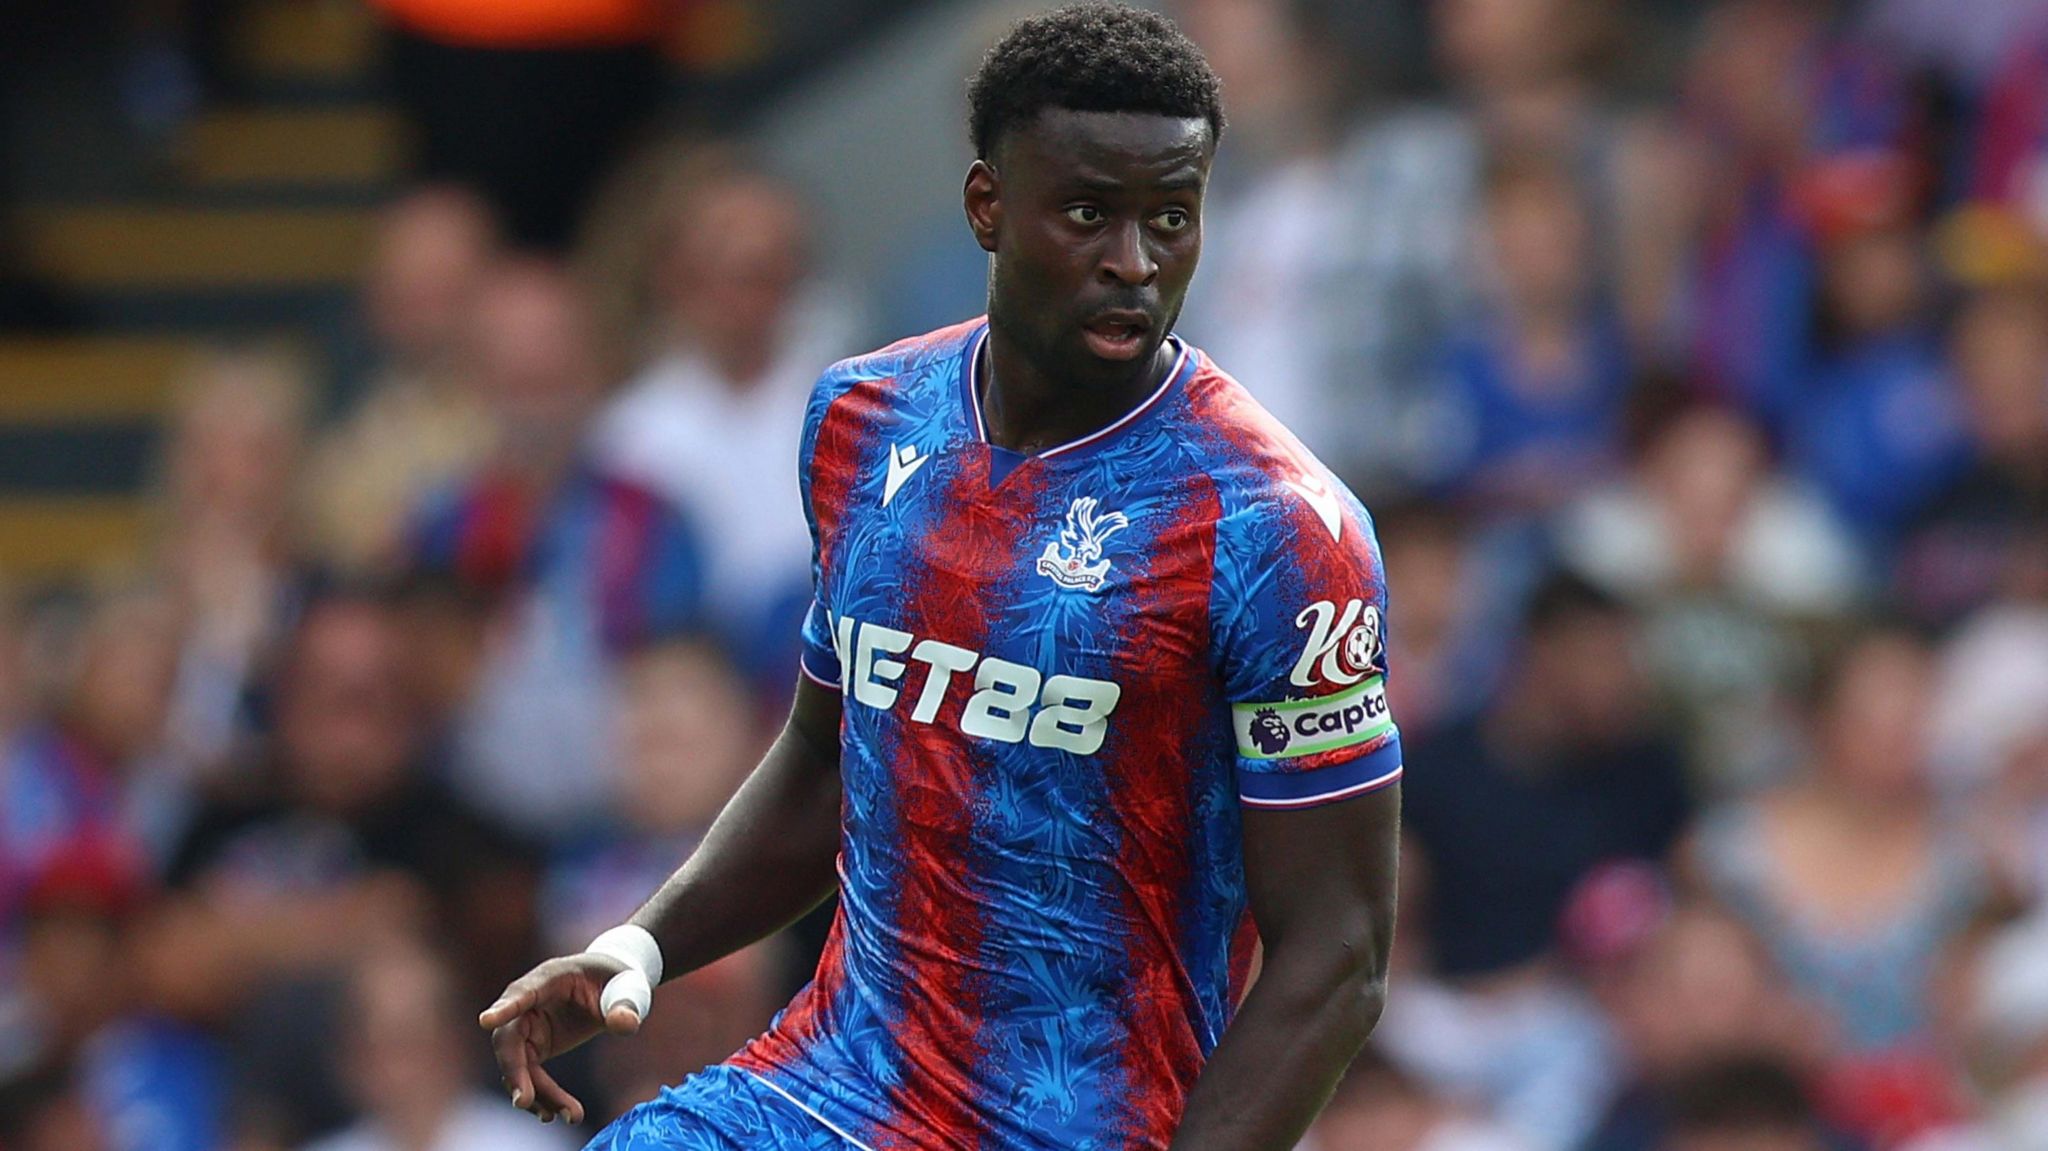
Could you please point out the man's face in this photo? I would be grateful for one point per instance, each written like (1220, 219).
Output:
(1095, 222)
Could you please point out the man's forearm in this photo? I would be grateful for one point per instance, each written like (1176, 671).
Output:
(1295, 1034)
(767, 860)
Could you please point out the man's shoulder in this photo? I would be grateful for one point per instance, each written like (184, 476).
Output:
(903, 359)
(1250, 455)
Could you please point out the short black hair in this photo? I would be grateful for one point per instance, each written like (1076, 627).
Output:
(1090, 57)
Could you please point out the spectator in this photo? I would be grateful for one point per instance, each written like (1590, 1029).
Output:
(1568, 769)
(1685, 986)
(419, 424)
(1769, 93)
(1705, 513)
(743, 330)
(1962, 545)
(1726, 559)
(151, 1082)
(1880, 427)
(407, 1056)
(1530, 411)
(688, 736)
(1521, 74)
(227, 549)
(341, 844)
(1565, 771)
(86, 774)
(578, 567)
(1848, 872)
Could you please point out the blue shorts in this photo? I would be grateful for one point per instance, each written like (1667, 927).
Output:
(720, 1109)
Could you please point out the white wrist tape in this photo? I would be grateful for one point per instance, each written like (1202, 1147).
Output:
(634, 946)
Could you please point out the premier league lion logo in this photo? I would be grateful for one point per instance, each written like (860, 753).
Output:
(1269, 731)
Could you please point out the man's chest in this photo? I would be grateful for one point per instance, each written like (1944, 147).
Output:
(1019, 604)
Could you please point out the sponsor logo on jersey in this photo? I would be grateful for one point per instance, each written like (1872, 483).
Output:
(1344, 644)
(1311, 726)
(1075, 558)
(1007, 702)
(904, 460)
(1316, 492)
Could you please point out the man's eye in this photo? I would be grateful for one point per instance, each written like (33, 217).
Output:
(1173, 219)
(1084, 214)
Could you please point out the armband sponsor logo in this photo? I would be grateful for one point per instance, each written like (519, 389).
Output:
(1008, 703)
(1344, 644)
(1310, 726)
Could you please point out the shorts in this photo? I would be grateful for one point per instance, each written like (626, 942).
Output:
(720, 1108)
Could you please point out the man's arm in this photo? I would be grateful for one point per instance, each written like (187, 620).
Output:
(1322, 892)
(767, 860)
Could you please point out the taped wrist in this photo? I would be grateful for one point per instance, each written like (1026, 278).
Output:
(634, 946)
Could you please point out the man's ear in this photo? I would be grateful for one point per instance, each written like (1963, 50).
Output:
(983, 199)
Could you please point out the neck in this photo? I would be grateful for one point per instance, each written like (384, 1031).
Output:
(1027, 409)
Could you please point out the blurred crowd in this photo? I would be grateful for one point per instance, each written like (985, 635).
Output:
(1693, 359)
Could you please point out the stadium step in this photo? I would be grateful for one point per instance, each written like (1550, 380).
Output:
(44, 538)
(320, 43)
(360, 147)
(66, 381)
(127, 248)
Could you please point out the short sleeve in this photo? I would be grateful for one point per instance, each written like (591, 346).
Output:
(818, 659)
(1299, 608)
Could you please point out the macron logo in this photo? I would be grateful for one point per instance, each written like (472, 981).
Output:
(904, 461)
(1318, 494)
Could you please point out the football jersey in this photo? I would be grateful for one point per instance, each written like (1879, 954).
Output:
(1063, 676)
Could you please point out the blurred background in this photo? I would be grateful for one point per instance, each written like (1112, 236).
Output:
(400, 549)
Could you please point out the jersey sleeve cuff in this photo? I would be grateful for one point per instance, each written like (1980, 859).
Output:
(1296, 789)
(803, 664)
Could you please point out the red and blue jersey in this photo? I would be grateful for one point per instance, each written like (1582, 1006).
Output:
(1063, 676)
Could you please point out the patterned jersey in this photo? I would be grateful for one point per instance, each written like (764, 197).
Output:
(1062, 676)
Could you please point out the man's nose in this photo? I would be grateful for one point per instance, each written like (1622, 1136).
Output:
(1126, 259)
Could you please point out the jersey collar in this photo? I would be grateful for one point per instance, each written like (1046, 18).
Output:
(970, 380)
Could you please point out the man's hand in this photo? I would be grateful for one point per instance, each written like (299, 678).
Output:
(549, 1010)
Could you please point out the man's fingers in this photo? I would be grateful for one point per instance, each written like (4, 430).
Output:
(626, 995)
(622, 1020)
(508, 1045)
(516, 1001)
(549, 1094)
